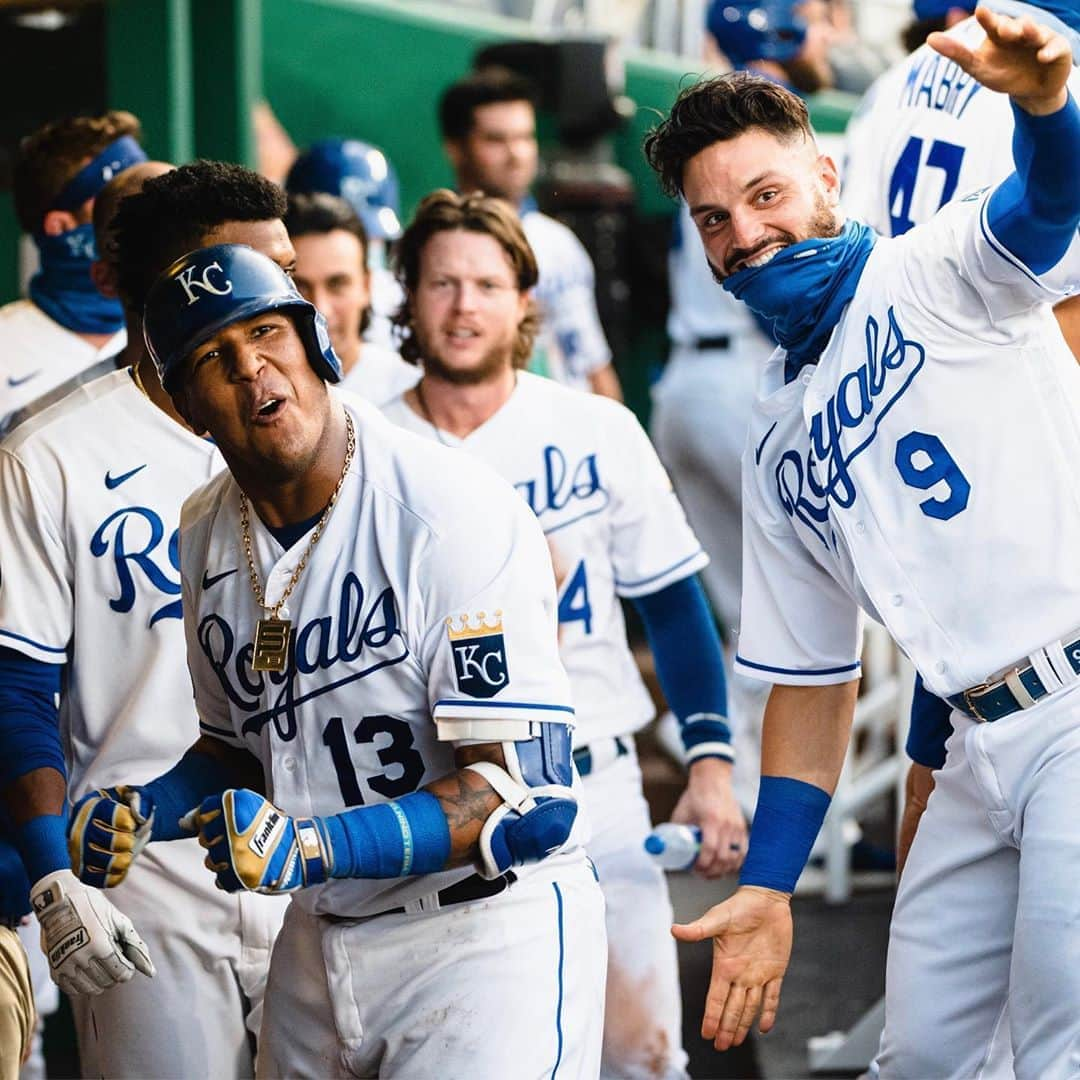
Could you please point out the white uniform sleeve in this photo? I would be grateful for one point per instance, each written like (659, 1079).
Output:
(567, 299)
(962, 273)
(799, 627)
(862, 196)
(490, 641)
(211, 704)
(37, 606)
(652, 544)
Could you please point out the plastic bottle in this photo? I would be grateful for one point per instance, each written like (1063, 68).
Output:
(674, 847)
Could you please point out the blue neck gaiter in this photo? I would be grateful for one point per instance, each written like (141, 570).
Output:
(62, 288)
(802, 292)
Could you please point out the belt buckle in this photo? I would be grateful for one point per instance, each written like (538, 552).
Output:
(972, 707)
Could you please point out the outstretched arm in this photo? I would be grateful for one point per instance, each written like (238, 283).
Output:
(804, 741)
(1034, 213)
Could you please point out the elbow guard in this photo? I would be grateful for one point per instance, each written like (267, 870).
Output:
(539, 807)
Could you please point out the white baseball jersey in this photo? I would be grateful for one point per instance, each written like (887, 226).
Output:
(90, 496)
(37, 353)
(429, 594)
(926, 133)
(571, 333)
(379, 375)
(614, 526)
(903, 472)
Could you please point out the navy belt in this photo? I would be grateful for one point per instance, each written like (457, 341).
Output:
(583, 755)
(996, 700)
(461, 892)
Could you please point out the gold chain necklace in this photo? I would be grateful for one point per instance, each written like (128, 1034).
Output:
(138, 380)
(272, 634)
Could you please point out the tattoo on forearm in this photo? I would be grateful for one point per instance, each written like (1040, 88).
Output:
(468, 801)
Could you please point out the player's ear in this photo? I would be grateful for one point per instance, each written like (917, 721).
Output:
(829, 176)
(104, 278)
(455, 153)
(58, 222)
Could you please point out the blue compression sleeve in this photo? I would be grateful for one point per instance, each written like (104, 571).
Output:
(195, 776)
(930, 727)
(690, 665)
(1035, 211)
(14, 882)
(42, 842)
(786, 823)
(407, 836)
(29, 734)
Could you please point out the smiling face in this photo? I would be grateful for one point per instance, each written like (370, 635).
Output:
(753, 195)
(467, 307)
(499, 155)
(252, 387)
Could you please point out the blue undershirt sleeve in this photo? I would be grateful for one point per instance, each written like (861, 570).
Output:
(29, 733)
(1035, 211)
(194, 777)
(690, 665)
(930, 727)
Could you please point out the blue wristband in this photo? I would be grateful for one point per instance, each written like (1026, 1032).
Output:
(787, 820)
(42, 842)
(396, 839)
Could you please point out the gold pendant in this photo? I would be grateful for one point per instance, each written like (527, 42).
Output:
(271, 644)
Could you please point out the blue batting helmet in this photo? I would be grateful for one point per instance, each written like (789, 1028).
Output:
(209, 289)
(356, 171)
(749, 30)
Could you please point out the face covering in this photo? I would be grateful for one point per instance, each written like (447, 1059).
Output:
(62, 288)
(802, 291)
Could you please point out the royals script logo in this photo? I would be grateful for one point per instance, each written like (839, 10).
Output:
(564, 492)
(361, 637)
(846, 425)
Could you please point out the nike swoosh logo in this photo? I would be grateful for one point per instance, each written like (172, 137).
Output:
(761, 445)
(209, 581)
(13, 381)
(112, 482)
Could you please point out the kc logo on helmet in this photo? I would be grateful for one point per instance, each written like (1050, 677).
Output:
(479, 656)
(189, 282)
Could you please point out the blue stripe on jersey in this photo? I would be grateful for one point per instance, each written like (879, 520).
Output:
(657, 577)
(503, 705)
(225, 732)
(37, 644)
(798, 671)
(558, 1008)
(1000, 249)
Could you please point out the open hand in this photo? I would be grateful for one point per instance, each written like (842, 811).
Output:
(1019, 57)
(751, 934)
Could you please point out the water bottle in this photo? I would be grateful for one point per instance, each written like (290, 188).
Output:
(674, 847)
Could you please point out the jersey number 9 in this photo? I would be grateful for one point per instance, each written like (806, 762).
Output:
(923, 462)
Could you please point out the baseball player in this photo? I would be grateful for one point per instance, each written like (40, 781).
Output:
(866, 486)
(332, 273)
(364, 177)
(66, 325)
(488, 126)
(894, 177)
(371, 631)
(615, 529)
(90, 606)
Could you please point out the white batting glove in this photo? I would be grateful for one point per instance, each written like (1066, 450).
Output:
(91, 945)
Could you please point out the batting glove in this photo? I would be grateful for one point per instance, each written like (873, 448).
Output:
(253, 845)
(109, 827)
(91, 945)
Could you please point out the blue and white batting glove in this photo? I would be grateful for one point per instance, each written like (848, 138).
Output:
(108, 829)
(253, 845)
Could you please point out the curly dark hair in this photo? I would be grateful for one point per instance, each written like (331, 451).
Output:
(444, 211)
(718, 109)
(172, 214)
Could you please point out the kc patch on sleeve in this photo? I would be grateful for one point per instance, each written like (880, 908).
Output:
(479, 650)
